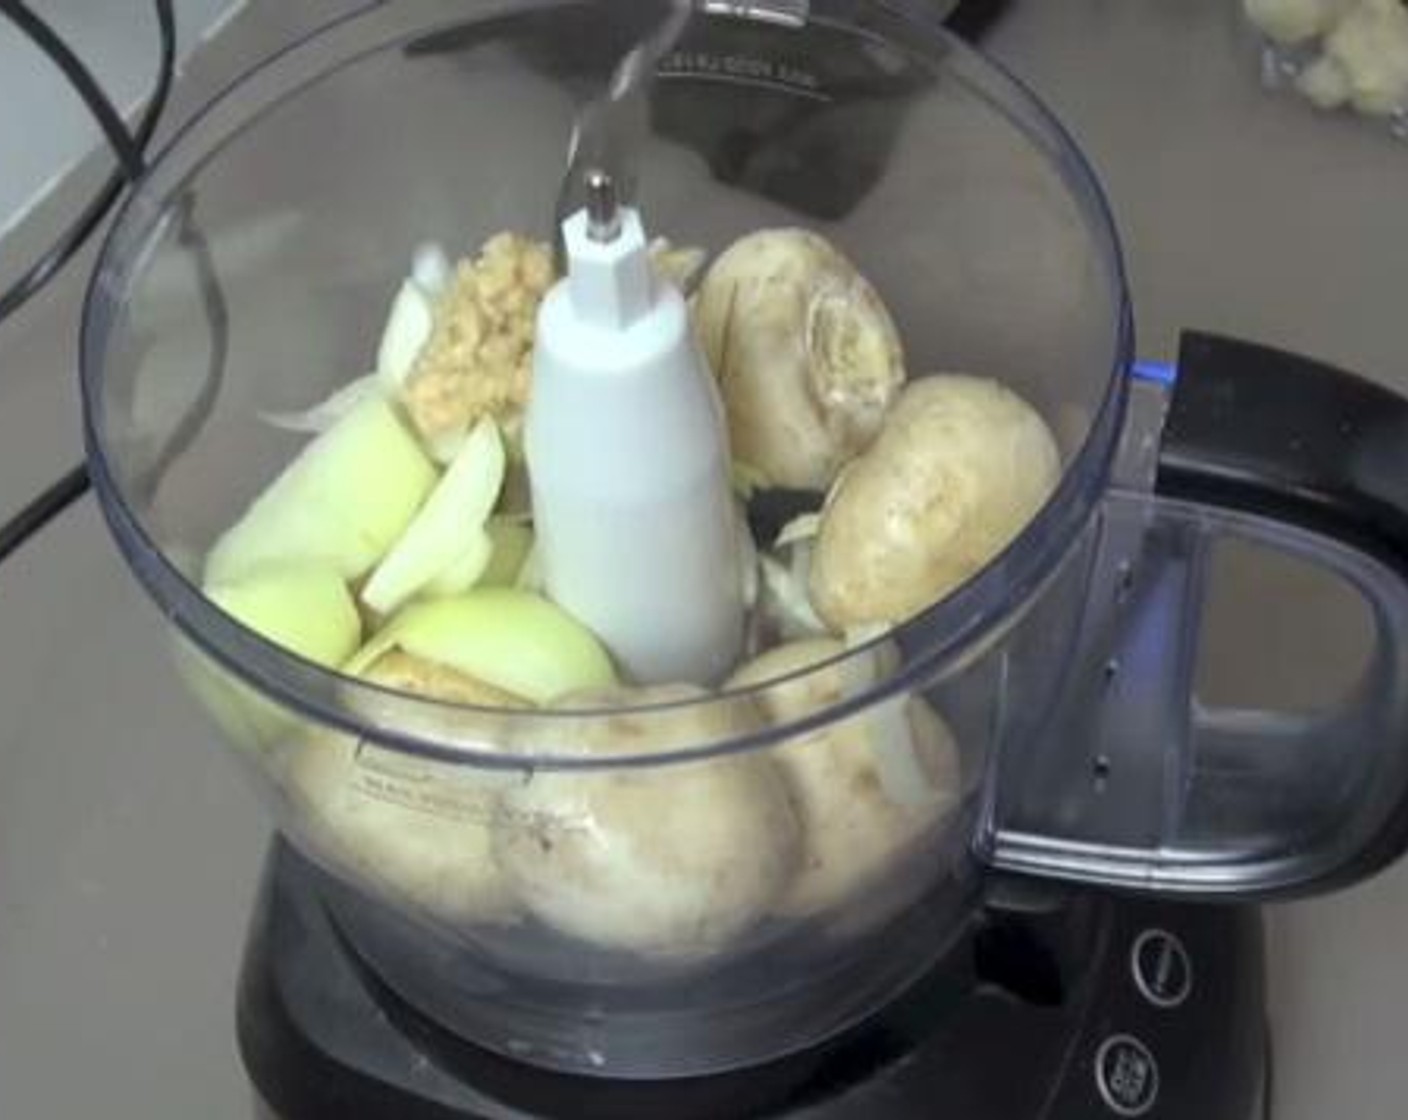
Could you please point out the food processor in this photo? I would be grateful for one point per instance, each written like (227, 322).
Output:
(1040, 940)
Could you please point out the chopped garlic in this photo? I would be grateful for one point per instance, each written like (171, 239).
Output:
(478, 361)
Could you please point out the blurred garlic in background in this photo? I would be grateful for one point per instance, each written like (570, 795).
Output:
(1339, 53)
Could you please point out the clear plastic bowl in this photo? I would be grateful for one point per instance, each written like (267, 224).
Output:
(250, 273)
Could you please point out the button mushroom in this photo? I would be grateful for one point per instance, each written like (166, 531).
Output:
(807, 357)
(960, 468)
(867, 789)
(671, 862)
(414, 828)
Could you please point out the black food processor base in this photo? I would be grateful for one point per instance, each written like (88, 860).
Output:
(1099, 1008)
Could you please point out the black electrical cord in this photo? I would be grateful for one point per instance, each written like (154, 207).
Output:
(129, 147)
(42, 510)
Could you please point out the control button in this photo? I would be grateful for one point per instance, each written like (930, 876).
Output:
(1126, 1075)
(1162, 971)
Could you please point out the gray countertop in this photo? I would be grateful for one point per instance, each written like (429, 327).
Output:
(129, 847)
(118, 42)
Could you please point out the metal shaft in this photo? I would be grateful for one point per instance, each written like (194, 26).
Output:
(603, 206)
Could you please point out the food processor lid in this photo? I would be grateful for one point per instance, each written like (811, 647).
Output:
(956, 629)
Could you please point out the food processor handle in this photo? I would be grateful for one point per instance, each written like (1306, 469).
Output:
(1284, 436)
(1138, 784)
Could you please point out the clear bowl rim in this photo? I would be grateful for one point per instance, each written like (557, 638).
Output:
(949, 630)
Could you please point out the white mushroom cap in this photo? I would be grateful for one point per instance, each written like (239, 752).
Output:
(670, 861)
